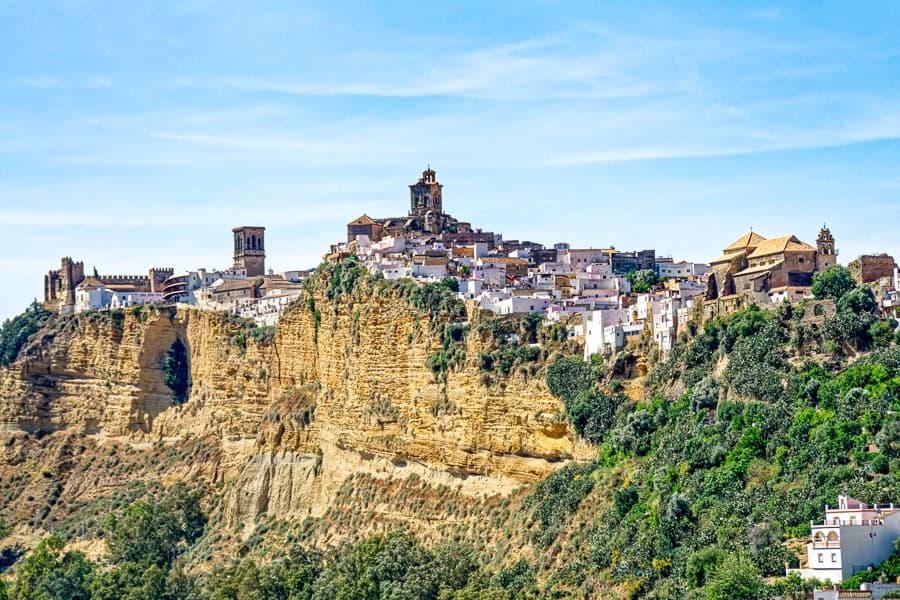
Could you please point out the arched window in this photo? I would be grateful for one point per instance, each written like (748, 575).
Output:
(832, 536)
(818, 537)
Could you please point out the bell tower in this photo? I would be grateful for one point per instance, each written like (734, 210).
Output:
(826, 255)
(250, 250)
(425, 195)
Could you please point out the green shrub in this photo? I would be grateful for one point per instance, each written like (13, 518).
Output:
(177, 371)
(15, 332)
(568, 377)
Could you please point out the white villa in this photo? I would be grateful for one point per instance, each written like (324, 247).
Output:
(852, 537)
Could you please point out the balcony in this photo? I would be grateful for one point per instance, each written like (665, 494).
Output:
(824, 545)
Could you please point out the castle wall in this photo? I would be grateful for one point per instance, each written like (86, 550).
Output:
(869, 268)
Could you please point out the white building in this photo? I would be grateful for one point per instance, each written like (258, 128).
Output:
(89, 296)
(665, 322)
(491, 275)
(789, 293)
(869, 591)
(393, 269)
(596, 323)
(523, 304)
(126, 299)
(470, 288)
(580, 259)
(681, 269)
(852, 537)
(616, 337)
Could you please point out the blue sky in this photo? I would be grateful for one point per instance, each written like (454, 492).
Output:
(136, 134)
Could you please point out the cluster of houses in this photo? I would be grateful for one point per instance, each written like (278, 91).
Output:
(590, 288)
(608, 298)
(246, 289)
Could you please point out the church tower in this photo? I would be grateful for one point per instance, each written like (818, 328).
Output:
(826, 255)
(425, 195)
(250, 250)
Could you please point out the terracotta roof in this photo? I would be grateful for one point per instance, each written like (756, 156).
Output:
(229, 285)
(601, 250)
(89, 283)
(759, 269)
(363, 220)
(506, 260)
(280, 284)
(750, 239)
(728, 257)
(781, 244)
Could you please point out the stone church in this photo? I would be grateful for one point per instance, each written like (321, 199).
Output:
(754, 265)
(426, 215)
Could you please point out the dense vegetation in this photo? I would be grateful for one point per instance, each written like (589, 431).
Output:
(144, 547)
(15, 332)
(746, 432)
(150, 542)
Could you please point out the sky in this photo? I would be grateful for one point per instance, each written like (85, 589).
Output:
(137, 134)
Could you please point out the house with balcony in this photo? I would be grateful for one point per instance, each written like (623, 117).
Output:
(852, 537)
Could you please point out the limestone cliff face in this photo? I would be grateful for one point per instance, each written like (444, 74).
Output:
(347, 391)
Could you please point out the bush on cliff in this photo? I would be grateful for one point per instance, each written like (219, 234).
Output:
(177, 371)
(15, 332)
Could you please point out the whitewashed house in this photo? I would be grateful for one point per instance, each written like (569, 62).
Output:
(852, 537)
(596, 323)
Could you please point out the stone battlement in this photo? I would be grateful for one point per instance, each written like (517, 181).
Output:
(123, 278)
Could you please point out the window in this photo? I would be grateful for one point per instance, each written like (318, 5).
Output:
(821, 559)
(833, 557)
(800, 260)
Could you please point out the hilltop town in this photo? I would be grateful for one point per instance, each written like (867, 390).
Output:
(633, 423)
(607, 298)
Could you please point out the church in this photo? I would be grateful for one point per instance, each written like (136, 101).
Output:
(426, 217)
(754, 265)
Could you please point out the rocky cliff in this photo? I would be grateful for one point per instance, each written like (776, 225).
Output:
(341, 388)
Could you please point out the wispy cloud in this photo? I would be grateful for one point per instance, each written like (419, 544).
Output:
(42, 82)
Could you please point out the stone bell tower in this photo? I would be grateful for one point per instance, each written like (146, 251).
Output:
(826, 255)
(250, 250)
(425, 195)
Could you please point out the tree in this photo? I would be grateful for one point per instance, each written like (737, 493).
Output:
(642, 280)
(15, 332)
(736, 578)
(882, 332)
(450, 283)
(833, 282)
(177, 371)
(568, 377)
(529, 326)
(701, 565)
(154, 533)
(593, 414)
(50, 574)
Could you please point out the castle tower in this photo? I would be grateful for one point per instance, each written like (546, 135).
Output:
(826, 255)
(250, 250)
(425, 195)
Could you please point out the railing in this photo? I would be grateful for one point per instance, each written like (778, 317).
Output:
(820, 545)
(827, 523)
